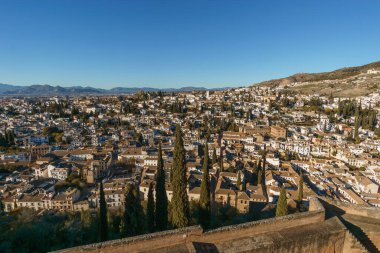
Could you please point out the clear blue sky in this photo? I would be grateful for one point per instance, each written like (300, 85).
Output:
(181, 43)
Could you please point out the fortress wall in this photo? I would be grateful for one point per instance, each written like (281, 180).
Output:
(327, 237)
(315, 205)
(366, 211)
(181, 240)
(315, 214)
(264, 226)
(149, 242)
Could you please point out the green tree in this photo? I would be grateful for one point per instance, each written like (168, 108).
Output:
(253, 178)
(264, 158)
(214, 157)
(263, 173)
(89, 227)
(238, 182)
(356, 132)
(103, 225)
(161, 197)
(259, 177)
(150, 209)
(300, 189)
(204, 200)
(1, 207)
(282, 205)
(222, 163)
(132, 221)
(180, 202)
(259, 173)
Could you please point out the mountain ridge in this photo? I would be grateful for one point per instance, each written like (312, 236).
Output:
(315, 77)
(38, 89)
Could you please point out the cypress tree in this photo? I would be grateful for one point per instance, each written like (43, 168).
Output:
(214, 157)
(180, 201)
(228, 201)
(1, 208)
(282, 206)
(161, 197)
(263, 168)
(244, 185)
(103, 224)
(263, 183)
(204, 200)
(253, 178)
(171, 175)
(150, 209)
(356, 133)
(300, 189)
(259, 173)
(238, 182)
(132, 219)
(259, 166)
(259, 177)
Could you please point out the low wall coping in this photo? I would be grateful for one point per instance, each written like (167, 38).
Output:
(317, 209)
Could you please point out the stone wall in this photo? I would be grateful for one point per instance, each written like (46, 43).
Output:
(363, 222)
(314, 238)
(263, 226)
(298, 232)
(360, 210)
(171, 239)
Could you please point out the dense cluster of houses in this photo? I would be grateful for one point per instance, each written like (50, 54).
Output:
(63, 146)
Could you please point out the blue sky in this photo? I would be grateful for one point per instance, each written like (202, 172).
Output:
(181, 43)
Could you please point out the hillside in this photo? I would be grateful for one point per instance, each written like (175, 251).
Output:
(350, 82)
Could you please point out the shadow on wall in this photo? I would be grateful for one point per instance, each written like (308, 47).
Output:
(335, 210)
(205, 247)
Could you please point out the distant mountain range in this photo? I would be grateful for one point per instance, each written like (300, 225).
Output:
(34, 90)
(340, 81)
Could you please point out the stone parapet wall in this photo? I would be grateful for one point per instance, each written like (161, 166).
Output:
(185, 240)
(360, 210)
(263, 226)
(142, 243)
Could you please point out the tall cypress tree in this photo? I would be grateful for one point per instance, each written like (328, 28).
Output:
(161, 197)
(259, 173)
(264, 157)
(244, 184)
(103, 225)
(356, 132)
(180, 201)
(214, 157)
(132, 221)
(1, 208)
(204, 200)
(282, 206)
(300, 189)
(171, 175)
(238, 182)
(259, 177)
(253, 179)
(150, 209)
(263, 174)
